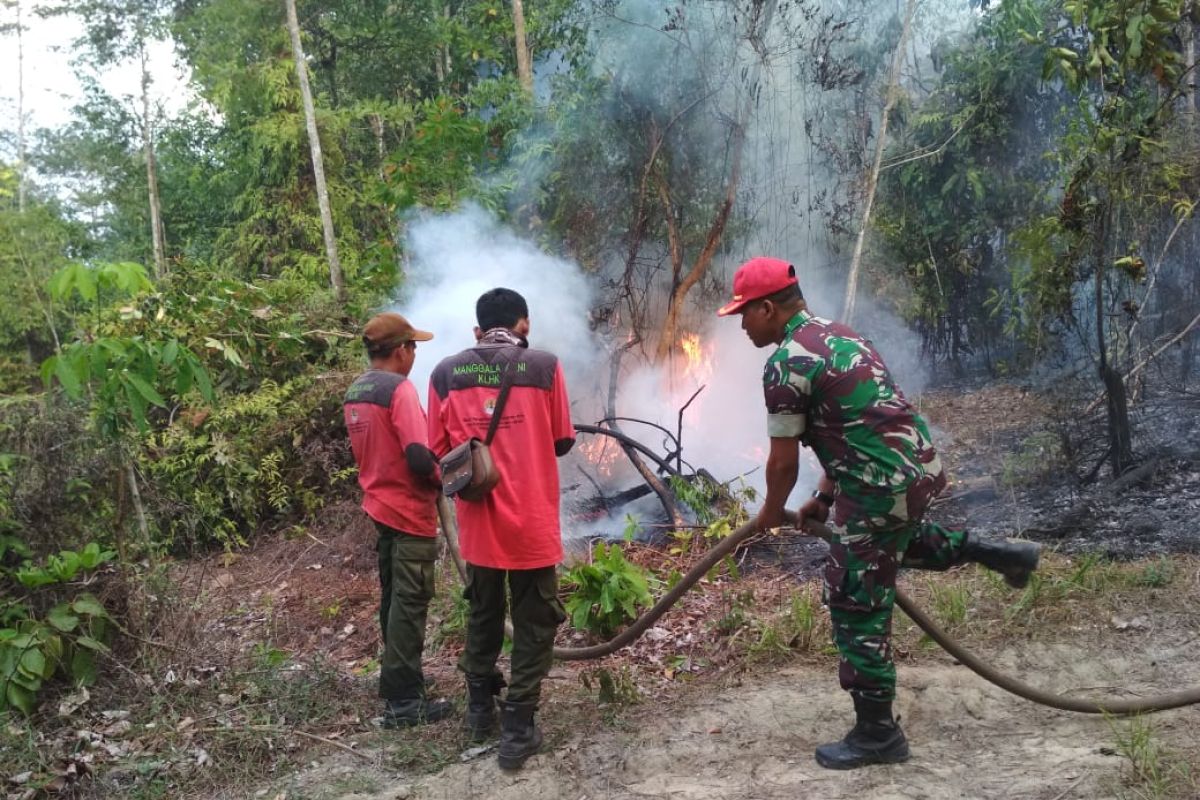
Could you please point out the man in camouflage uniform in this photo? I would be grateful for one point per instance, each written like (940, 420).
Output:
(827, 388)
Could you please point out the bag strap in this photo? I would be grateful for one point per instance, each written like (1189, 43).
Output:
(505, 385)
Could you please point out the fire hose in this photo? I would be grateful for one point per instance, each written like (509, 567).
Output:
(1101, 705)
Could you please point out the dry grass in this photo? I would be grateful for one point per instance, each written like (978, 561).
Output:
(251, 697)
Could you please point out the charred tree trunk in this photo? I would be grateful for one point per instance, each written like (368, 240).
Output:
(1119, 437)
(1187, 351)
(314, 141)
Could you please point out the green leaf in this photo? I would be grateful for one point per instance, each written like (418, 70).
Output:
(145, 389)
(33, 577)
(20, 641)
(20, 698)
(75, 276)
(88, 604)
(61, 617)
(83, 667)
(183, 377)
(33, 663)
(67, 376)
(137, 406)
(30, 682)
(92, 644)
(203, 382)
(170, 351)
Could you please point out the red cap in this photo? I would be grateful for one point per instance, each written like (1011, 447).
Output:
(757, 278)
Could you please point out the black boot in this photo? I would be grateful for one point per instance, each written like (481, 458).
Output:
(876, 738)
(1016, 561)
(415, 711)
(481, 705)
(519, 734)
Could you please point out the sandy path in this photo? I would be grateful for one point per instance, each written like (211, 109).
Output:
(970, 740)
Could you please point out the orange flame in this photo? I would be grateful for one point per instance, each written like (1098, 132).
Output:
(696, 369)
(601, 452)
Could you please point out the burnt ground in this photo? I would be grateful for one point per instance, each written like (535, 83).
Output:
(1023, 465)
(706, 706)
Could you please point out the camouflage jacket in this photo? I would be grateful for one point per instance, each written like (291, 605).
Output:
(829, 387)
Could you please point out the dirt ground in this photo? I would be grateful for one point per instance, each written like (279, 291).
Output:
(749, 732)
(755, 740)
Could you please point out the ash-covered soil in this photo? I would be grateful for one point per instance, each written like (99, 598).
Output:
(1020, 465)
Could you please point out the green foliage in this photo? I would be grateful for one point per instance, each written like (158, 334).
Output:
(60, 640)
(270, 455)
(797, 629)
(606, 593)
(960, 179)
(1128, 37)
(612, 688)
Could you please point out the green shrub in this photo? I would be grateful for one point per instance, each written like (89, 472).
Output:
(35, 646)
(606, 594)
(269, 456)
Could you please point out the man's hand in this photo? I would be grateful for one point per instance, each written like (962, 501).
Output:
(815, 510)
(769, 518)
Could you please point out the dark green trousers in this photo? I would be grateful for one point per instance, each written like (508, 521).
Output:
(536, 615)
(405, 588)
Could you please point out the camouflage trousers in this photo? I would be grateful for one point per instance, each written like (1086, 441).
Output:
(883, 534)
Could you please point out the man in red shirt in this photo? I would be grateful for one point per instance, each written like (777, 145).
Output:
(512, 534)
(399, 479)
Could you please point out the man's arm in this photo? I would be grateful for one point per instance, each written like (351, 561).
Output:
(421, 461)
(439, 437)
(411, 428)
(783, 467)
(560, 415)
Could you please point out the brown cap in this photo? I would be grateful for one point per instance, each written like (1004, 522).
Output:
(389, 331)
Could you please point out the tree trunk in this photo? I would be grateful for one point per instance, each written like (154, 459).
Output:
(20, 114)
(1119, 437)
(666, 337)
(873, 178)
(524, 67)
(1190, 32)
(138, 508)
(1188, 348)
(314, 141)
(156, 226)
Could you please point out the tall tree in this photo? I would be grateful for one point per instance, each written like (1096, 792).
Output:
(314, 142)
(115, 32)
(890, 97)
(157, 234)
(524, 67)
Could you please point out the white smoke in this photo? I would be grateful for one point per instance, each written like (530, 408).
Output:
(454, 258)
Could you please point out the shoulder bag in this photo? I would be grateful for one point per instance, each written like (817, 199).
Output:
(468, 471)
